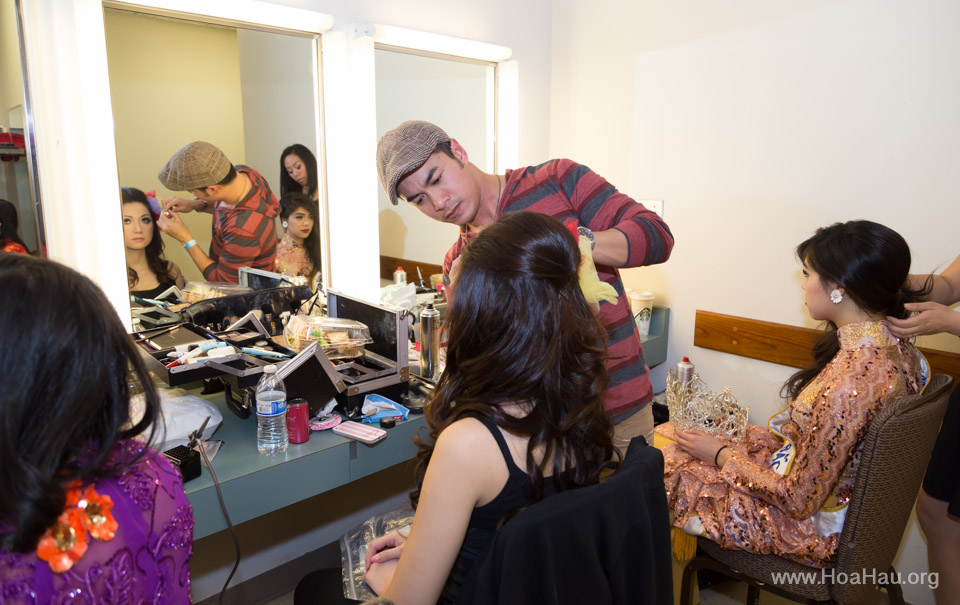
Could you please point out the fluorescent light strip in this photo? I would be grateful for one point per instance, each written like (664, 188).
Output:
(436, 43)
(238, 11)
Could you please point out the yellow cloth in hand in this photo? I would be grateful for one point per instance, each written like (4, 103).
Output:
(593, 289)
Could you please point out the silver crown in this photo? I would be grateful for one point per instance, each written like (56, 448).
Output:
(694, 406)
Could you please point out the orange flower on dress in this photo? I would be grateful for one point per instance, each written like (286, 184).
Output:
(97, 518)
(66, 542)
(63, 544)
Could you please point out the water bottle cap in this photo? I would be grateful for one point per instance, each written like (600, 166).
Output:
(270, 369)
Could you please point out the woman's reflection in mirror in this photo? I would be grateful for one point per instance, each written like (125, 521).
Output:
(298, 252)
(298, 172)
(148, 273)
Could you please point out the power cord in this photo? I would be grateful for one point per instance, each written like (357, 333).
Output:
(194, 441)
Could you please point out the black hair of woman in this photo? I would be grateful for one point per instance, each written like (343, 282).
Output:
(520, 331)
(9, 223)
(871, 263)
(154, 250)
(292, 202)
(287, 184)
(68, 366)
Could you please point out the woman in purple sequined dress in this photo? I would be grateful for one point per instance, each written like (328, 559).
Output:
(784, 489)
(87, 513)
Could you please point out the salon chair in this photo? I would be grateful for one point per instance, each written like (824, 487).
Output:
(605, 543)
(896, 450)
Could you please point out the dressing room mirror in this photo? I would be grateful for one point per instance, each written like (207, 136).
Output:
(18, 184)
(459, 95)
(251, 92)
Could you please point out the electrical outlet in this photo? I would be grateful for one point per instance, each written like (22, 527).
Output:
(655, 205)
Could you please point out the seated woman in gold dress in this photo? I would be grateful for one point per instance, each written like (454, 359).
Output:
(783, 490)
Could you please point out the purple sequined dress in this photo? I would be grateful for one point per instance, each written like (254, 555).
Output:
(147, 561)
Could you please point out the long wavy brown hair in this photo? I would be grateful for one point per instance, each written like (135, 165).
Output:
(520, 331)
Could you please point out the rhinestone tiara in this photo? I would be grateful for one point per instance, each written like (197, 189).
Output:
(694, 406)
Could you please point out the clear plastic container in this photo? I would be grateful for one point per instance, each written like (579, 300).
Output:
(196, 291)
(272, 435)
(339, 338)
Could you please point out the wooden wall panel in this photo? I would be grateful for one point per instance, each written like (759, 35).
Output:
(782, 344)
(388, 264)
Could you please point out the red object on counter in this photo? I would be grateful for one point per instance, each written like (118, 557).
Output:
(298, 420)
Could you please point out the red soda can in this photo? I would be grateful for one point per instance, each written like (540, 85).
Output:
(298, 420)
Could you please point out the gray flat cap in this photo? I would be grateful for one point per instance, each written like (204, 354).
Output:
(196, 165)
(403, 150)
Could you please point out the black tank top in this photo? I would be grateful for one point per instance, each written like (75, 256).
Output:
(484, 522)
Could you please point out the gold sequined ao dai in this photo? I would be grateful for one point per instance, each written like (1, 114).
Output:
(746, 505)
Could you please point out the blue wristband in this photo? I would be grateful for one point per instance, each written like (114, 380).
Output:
(190, 244)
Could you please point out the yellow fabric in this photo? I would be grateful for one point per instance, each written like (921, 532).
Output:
(594, 290)
(684, 545)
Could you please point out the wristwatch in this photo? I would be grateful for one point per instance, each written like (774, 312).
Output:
(589, 235)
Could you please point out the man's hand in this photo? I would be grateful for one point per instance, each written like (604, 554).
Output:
(174, 226)
(450, 288)
(932, 318)
(179, 204)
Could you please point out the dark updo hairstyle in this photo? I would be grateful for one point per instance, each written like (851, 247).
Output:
(521, 332)
(287, 184)
(65, 388)
(160, 266)
(871, 263)
(290, 203)
(9, 223)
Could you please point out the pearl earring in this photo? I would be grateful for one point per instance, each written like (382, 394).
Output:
(284, 223)
(836, 296)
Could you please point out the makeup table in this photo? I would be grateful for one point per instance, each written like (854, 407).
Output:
(254, 484)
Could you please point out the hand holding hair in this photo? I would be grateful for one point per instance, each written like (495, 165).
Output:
(931, 318)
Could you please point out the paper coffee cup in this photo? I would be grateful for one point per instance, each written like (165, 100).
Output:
(641, 304)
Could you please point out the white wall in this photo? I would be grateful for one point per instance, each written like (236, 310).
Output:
(279, 98)
(757, 122)
(454, 95)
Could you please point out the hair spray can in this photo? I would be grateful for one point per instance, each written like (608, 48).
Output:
(429, 342)
(685, 371)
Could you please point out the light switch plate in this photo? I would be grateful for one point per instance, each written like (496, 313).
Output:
(655, 205)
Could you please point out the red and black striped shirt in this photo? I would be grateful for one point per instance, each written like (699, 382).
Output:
(244, 235)
(569, 192)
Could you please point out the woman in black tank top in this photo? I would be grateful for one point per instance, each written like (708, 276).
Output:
(517, 413)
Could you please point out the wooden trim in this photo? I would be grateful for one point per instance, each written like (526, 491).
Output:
(782, 344)
(388, 265)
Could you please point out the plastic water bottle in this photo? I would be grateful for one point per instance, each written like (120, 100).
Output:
(271, 413)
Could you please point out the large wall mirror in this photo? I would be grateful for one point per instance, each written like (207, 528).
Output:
(457, 94)
(17, 184)
(173, 80)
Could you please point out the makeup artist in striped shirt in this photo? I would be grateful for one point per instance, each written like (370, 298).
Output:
(243, 208)
(419, 162)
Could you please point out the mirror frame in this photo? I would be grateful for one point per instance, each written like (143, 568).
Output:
(29, 135)
(78, 173)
